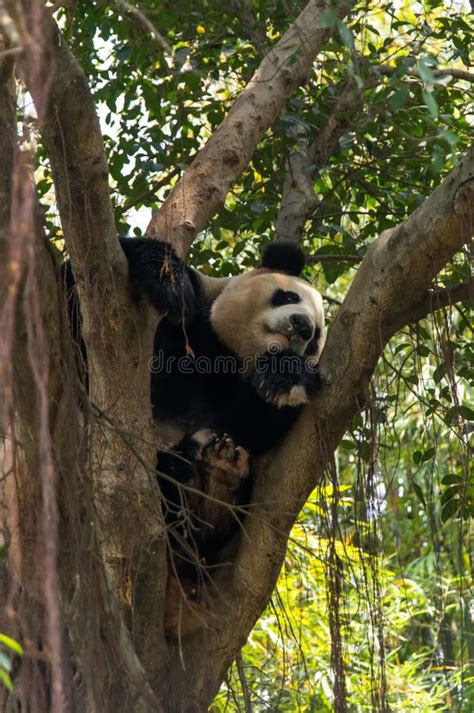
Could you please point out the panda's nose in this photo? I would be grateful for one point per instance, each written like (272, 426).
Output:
(301, 326)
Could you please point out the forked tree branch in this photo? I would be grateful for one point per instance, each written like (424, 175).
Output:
(392, 280)
(202, 191)
(305, 163)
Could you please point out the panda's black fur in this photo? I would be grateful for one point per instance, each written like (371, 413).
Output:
(222, 401)
(284, 256)
(219, 417)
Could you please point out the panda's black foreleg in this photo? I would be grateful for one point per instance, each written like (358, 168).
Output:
(160, 276)
(285, 378)
(156, 273)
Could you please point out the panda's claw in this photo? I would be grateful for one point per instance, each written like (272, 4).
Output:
(223, 455)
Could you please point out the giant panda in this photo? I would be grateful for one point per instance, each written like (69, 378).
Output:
(234, 363)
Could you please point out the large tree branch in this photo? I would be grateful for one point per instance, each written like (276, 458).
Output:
(10, 272)
(7, 131)
(393, 278)
(47, 452)
(118, 332)
(8, 284)
(203, 189)
(32, 331)
(305, 163)
(73, 141)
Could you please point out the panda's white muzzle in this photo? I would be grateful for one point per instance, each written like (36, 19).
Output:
(296, 329)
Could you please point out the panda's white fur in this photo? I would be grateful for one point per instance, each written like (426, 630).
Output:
(247, 323)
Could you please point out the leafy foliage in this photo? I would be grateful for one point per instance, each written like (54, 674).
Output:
(8, 648)
(403, 554)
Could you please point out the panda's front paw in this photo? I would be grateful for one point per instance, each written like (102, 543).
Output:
(159, 275)
(284, 379)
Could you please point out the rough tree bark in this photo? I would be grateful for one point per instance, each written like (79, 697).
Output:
(36, 481)
(127, 663)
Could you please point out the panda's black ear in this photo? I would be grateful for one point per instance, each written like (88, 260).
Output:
(284, 256)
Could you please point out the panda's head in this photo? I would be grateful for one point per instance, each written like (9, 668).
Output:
(271, 308)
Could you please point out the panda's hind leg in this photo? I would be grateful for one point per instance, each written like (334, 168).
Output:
(224, 468)
(214, 471)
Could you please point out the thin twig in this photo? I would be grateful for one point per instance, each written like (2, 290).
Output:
(244, 683)
(454, 73)
(146, 24)
(313, 259)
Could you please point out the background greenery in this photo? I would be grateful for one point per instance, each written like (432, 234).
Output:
(380, 562)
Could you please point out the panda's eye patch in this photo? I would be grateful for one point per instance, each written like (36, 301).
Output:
(285, 297)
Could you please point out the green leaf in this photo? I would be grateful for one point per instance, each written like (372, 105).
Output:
(427, 455)
(431, 103)
(450, 493)
(11, 644)
(422, 350)
(328, 18)
(449, 509)
(451, 479)
(397, 99)
(466, 412)
(417, 456)
(345, 34)
(419, 494)
(5, 679)
(439, 372)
